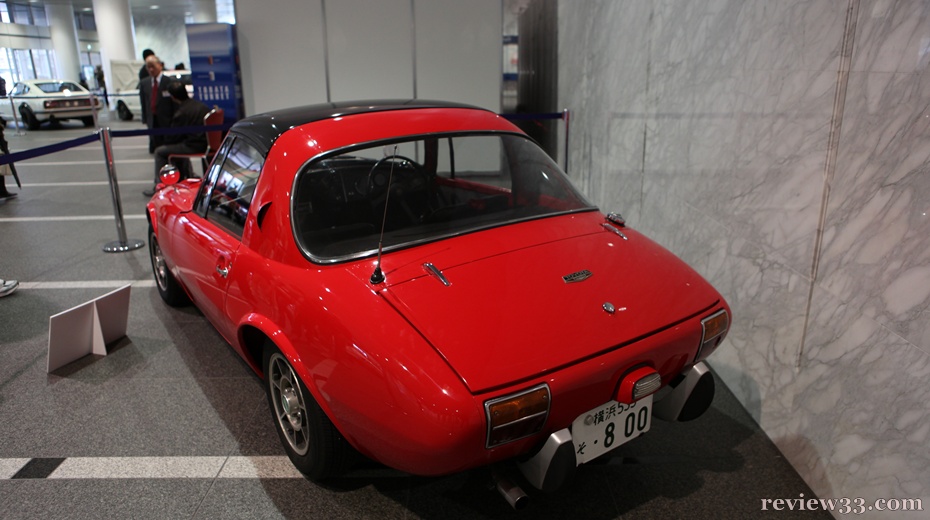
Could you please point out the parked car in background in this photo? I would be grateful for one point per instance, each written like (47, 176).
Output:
(37, 101)
(128, 103)
(420, 282)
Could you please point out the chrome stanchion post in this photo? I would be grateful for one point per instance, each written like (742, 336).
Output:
(123, 244)
(566, 115)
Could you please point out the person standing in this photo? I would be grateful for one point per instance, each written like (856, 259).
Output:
(144, 72)
(157, 107)
(4, 193)
(101, 81)
(189, 112)
(5, 169)
(2, 94)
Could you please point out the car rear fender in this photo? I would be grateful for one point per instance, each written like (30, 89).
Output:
(253, 333)
(362, 363)
(376, 378)
(254, 330)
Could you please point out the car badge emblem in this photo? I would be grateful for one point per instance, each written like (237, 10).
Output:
(579, 276)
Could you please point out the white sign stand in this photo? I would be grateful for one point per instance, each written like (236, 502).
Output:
(87, 328)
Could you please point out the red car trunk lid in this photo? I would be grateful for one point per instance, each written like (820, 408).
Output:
(522, 313)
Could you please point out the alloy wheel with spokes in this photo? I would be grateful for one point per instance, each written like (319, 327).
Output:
(311, 440)
(289, 406)
(158, 265)
(168, 287)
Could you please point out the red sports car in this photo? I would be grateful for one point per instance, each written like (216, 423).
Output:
(420, 282)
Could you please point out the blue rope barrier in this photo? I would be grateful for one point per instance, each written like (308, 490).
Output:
(45, 150)
(53, 148)
(64, 145)
(171, 130)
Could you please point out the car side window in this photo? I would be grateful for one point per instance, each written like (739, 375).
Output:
(233, 184)
(19, 89)
(209, 179)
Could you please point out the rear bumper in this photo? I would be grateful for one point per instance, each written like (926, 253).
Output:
(691, 395)
(65, 114)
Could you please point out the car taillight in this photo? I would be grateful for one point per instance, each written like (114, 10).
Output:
(65, 103)
(516, 416)
(715, 329)
(637, 384)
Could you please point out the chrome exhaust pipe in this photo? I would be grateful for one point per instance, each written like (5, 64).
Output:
(511, 492)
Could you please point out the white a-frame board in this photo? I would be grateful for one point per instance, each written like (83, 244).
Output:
(87, 328)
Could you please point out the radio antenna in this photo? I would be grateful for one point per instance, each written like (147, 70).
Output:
(378, 276)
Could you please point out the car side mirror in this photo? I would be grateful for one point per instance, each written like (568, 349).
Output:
(169, 174)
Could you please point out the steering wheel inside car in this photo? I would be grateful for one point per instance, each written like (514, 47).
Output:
(410, 184)
(378, 177)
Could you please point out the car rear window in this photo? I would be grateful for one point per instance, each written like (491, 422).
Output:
(58, 86)
(424, 189)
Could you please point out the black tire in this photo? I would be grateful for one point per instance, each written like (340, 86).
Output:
(29, 117)
(311, 441)
(88, 121)
(168, 287)
(123, 112)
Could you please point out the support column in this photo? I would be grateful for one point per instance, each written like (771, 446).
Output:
(116, 34)
(64, 40)
(204, 11)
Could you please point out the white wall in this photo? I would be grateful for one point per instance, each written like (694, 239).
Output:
(282, 53)
(459, 51)
(370, 49)
(164, 34)
(709, 126)
(318, 51)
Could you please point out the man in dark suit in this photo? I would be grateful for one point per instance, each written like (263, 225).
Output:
(189, 113)
(157, 107)
(143, 72)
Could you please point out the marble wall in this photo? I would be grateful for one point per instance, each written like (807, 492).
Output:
(782, 149)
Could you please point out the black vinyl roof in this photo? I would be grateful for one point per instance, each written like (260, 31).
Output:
(266, 128)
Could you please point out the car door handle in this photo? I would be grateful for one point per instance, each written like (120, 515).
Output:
(222, 271)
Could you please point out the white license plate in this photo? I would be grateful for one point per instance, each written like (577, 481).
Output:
(604, 428)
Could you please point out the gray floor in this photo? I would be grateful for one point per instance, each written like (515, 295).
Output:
(171, 424)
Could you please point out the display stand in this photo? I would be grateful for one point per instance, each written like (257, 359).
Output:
(87, 328)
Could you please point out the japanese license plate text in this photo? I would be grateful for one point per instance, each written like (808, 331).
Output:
(608, 426)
